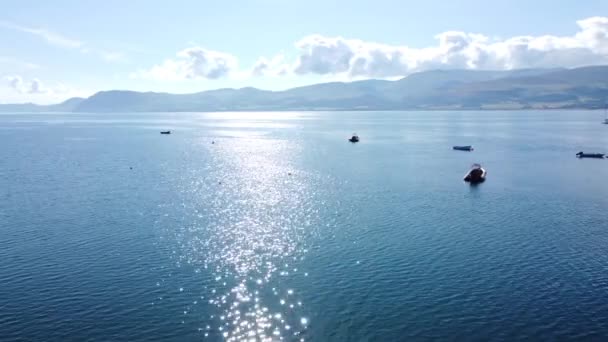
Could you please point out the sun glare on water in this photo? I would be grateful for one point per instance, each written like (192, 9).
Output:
(247, 216)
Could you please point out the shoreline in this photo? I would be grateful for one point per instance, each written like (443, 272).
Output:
(316, 110)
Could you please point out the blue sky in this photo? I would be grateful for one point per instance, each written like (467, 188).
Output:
(51, 50)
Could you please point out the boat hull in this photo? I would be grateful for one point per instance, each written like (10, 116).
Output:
(591, 155)
(476, 176)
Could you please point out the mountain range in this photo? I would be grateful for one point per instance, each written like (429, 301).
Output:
(585, 88)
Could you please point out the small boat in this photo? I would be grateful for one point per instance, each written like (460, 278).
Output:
(477, 174)
(165, 132)
(463, 148)
(354, 138)
(590, 155)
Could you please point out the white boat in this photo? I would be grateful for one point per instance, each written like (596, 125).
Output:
(477, 174)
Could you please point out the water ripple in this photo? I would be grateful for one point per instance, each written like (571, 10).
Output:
(247, 216)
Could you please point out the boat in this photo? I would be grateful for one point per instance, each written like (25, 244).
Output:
(477, 174)
(354, 138)
(463, 148)
(165, 132)
(590, 155)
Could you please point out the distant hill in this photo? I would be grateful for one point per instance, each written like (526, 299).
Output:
(65, 106)
(585, 87)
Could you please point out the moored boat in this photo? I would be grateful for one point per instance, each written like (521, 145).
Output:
(354, 138)
(477, 174)
(590, 155)
(463, 148)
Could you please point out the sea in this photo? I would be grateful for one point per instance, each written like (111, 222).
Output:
(273, 226)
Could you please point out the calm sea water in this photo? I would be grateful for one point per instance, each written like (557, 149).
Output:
(281, 229)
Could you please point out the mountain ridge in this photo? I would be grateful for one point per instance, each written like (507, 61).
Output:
(584, 87)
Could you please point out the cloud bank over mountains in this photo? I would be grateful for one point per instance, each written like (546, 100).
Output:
(331, 58)
(322, 55)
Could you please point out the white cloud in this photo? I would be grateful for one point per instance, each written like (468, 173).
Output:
(323, 55)
(193, 63)
(594, 32)
(50, 37)
(15, 89)
(275, 66)
(343, 58)
(356, 58)
(34, 87)
(59, 40)
(15, 82)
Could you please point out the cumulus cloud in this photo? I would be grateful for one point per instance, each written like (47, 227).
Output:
(193, 63)
(15, 82)
(594, 32)
(15, 89)
(323, 55)
(345, 58)
(275, 66)
(454, 49)
(35, 86)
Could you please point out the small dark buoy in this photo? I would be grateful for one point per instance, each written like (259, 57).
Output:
(130, 168)
(212, 142)
(289, 173)
(219, 182)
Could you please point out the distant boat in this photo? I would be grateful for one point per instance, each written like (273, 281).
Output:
(590, 155)
(463, 148)
(165, 132)
(476, 175)
(354, 138)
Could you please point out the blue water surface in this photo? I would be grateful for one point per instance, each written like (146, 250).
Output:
(273, 226)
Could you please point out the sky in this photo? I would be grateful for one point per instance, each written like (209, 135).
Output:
(53, 50)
